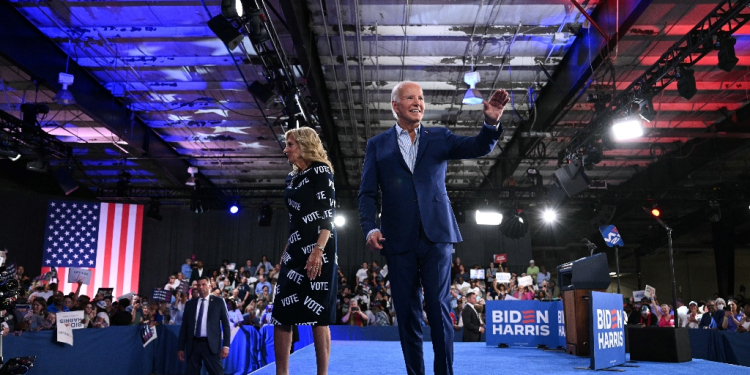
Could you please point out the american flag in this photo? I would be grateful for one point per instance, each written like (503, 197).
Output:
(103, 237)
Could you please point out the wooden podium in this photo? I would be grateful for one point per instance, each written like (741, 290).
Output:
(578, 279)
(577, 305)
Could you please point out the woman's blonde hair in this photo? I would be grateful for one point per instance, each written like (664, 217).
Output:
(310, 146)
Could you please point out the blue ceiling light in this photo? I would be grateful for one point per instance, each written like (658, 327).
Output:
(234, 208)
(472, 96)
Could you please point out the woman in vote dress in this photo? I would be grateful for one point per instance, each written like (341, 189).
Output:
(306, 290)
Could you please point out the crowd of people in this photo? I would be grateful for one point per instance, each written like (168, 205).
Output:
(364, 299)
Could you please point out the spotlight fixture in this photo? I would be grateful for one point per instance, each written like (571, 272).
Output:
(654, 211)
(232, 9)
(472, 96)
(38, 165)
(549, 215)
(262, 93)
(647, 111)
(153, 210)
(64, 96)
(8, 150)
(516, 225)
(339, 221)
(488, 217)
(727, 58)
(65, 180)
(686, 83)
(191, 180)
(234, 208)
(627, 128)
(227, 32)
(257, 33)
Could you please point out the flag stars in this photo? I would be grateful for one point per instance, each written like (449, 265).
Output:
(48, 261)
(57, 221)
(57, 210)
(75, 256)
(91, 251)
(86, 256)
(56, 232)
(65, 256)
(52, 216)
(79, 211)
(81, 251)
(67, 221)
(59, 261)
(49, 238)
(68, 210)
(91, 262)
(54, 244)
(54, 255)
(87, 245)
(67, 233)
(52, 204)
(49, 250)
(70, 261)
(63, 204)
(65, 244)
(51, 227)
(80, 262)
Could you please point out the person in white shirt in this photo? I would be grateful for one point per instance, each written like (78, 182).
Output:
(462, 285)
(173, 283)
(693, 318)
(476, 289)
(362, 273)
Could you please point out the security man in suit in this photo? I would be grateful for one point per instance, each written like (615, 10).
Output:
(205, 325)
(407, 164)
(473, 327)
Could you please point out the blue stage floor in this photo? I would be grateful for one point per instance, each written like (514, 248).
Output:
(385, 358)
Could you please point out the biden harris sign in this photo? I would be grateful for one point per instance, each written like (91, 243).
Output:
(608, 341)
(524, 323)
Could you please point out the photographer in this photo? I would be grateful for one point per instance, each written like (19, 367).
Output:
(355, 316)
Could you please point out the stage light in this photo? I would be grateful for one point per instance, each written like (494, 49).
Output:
(516, 224)
(191, 180)
(727, 58)
(627, 128)
(339, 221)
(64, 96)
(488, 217)
(257, 33)
(38, 165)
(225, 31)
(153, 210)
(472, 96)
(232, 9)
(647, 111)
(549, 215)
(655, 212)
(65, 180)
(265, 96)
(10, 151)
(234, 208)
(686, 83)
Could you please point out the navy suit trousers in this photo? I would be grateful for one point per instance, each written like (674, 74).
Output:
(426, 266)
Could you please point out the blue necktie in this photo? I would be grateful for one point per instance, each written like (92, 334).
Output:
(200, 319)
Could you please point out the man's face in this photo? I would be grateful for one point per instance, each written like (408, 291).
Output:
(189, 262)
(202, 288)
(200, 264)
(19, 270)
(68, 302)
(410, 105)
(711, 306)
(180, 276)
(58, 298)
(261, 278)
(248, 263)
(472, 299)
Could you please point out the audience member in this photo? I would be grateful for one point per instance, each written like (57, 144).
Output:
(473, 327)
(543, 276)
(533, 270)
(187, 268)
(362, 273)
(250, 268)
(693, 317)
(122, 317)
(355, 316)
(732, 317)
(34, 318)
(647, 318)
(713, 318)
(744, 325)
(261, 283)
(663, 313)
(462, 274)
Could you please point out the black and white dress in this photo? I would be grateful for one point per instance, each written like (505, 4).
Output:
(310, 199)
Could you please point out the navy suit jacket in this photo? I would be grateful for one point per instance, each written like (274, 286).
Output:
(216, 322)
(408, 199)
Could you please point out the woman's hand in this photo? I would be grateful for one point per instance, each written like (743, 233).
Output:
(314, 263)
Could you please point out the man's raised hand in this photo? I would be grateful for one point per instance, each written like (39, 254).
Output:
(493, 108)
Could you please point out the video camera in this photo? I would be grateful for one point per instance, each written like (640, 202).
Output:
(8, 287)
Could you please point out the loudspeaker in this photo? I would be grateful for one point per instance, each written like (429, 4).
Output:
(261, 92)
(65, 180)
(655, 344)
(572, 178)
(266, 215)
(585, 273)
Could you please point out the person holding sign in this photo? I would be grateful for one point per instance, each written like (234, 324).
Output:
(204, 323)
(663, 312)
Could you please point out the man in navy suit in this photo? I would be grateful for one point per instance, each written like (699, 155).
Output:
(204, 320)
(407, 163)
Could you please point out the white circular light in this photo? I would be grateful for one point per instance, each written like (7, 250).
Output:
(238, 8)
(339, 221)
(549, 215)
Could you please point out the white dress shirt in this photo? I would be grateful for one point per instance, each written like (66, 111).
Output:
(204, 321)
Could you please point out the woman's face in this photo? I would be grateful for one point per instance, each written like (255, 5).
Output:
(37, 307)
(733, 306)
(293, 152)
(462, 268)
(664, 310)
(693, 308)
(87, 309)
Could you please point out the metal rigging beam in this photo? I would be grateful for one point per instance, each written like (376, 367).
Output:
(586, 54)
(298, 19)
(29, 49)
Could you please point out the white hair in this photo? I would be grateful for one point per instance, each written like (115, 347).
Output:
(395, 95)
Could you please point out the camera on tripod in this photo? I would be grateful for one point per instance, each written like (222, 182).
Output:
(8, 287)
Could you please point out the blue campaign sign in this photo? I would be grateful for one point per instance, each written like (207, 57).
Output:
(611, 236)
(608, 334)
(560, 324)
(522, 323)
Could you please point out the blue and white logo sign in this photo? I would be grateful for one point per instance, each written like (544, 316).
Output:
(611, 236)
(608, 345)
(522, 323)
